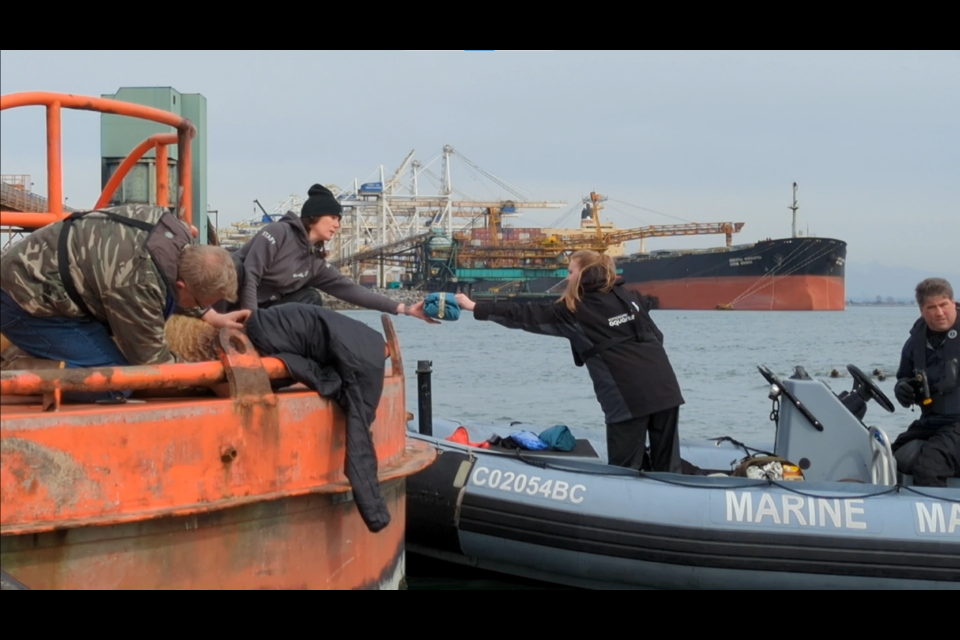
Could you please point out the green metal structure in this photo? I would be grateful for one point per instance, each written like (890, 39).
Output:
(119, 135)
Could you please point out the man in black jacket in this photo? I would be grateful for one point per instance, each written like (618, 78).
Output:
(342, 359)
(928, 376)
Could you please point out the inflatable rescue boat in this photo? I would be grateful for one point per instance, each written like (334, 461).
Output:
(852, 522)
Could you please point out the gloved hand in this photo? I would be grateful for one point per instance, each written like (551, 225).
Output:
(906, 394)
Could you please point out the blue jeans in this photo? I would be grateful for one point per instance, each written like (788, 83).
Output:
(79, 342)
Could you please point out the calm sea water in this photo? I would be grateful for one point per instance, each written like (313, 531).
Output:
(483, 372)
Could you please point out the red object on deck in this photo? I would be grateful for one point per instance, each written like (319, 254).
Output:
(460, 436)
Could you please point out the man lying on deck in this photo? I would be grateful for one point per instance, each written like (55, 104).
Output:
(333, 354)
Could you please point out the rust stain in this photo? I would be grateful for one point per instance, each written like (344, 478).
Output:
(56, 472)
(242, 490)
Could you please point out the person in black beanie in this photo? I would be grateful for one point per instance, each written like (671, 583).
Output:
(285, 262)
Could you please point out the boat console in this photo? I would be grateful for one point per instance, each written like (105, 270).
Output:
(823, 433)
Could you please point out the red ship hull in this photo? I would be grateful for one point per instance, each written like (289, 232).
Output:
(785, 293)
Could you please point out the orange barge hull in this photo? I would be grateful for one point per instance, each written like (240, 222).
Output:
(306, 542)
(787, 293)
(246, 491)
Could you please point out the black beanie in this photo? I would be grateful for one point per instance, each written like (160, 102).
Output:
(320, 203)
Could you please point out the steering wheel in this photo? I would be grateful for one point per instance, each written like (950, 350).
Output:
(862, 382)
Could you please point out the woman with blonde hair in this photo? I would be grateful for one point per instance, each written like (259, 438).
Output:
(611, 333)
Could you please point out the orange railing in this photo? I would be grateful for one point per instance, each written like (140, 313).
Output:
(240, 366)
(158, 141)
(54, 102)
(157, 376)
(55, 381)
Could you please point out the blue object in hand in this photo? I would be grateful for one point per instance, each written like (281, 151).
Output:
(441, 306)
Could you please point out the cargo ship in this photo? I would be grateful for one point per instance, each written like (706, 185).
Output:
(799, 273)
(789, 274)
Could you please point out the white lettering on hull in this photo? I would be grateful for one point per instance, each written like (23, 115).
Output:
(933, 518)
(796, 510)
(531, 485)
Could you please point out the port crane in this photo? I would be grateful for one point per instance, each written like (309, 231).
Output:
(602, 240)
(553, 250)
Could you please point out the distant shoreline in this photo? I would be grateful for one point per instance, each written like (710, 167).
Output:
(909, 303)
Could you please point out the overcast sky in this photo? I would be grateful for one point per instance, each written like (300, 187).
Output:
(870, 137)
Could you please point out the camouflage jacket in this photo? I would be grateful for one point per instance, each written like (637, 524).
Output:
(124, 275)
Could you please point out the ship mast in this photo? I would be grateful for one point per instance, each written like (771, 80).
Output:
(794, 208)
(595, 199)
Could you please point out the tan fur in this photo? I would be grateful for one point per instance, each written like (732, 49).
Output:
(192, 339)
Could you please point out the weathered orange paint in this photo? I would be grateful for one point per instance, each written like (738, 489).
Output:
(118, 378)
(54, 157)
(200, 374)
(54, 102)
(163, 176)
(184, 169)
(84, 465)
(86, 474)
(312, 541)
(243, 490)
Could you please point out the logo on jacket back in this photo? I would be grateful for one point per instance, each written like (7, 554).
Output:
(302, 274)
(616, 321)
(266, 234)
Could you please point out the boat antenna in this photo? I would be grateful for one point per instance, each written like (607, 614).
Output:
(794, 208)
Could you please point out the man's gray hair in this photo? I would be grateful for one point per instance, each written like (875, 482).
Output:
(933, 287)
(208, 271)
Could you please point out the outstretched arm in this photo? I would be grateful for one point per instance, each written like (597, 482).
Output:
(544, 318)
(330, 280)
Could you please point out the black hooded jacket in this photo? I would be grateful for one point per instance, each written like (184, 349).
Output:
(613, 335)
(940, 361)
(342, 359)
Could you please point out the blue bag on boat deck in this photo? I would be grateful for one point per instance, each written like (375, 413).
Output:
(559, 438)
(441, 306)
(529, 441)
